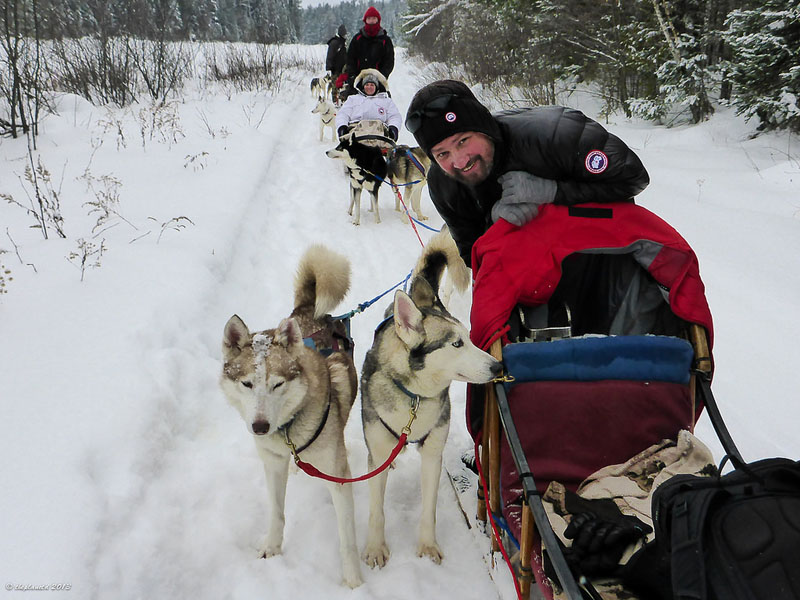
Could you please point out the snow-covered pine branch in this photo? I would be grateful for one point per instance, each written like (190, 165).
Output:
(427, 17)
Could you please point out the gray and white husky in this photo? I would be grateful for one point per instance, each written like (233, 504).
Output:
(404, 171)
(418, 351)
(287, 391)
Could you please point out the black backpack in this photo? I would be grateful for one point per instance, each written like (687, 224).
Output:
(732, 537)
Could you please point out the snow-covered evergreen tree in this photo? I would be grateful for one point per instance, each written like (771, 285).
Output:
(765, 62)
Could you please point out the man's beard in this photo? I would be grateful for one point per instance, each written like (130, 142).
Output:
(477, 173)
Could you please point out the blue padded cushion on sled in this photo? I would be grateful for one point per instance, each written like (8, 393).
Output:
(627, 357)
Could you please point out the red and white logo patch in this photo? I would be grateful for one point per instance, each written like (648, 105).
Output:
(450, 117)
(596, 161)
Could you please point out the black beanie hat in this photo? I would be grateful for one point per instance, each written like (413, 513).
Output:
(342, 30)
(462, 113)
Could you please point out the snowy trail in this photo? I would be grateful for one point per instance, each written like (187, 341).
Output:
(193, 432)
(179, 433)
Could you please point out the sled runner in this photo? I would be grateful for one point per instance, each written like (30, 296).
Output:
(599, 315)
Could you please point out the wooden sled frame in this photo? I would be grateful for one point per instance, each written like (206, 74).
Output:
(534, 518)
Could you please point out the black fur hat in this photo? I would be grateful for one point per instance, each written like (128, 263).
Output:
(431, 121)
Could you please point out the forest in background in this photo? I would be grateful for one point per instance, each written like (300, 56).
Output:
(663, 60)
(321, 22)
(657, 59)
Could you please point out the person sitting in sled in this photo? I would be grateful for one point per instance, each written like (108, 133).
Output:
(504, 165)
(371, 102)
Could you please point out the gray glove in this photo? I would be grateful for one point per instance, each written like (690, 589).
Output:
(522, 195)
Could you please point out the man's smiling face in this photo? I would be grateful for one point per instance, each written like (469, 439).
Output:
(466, 156)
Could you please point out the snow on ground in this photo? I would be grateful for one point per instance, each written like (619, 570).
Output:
(126, 473)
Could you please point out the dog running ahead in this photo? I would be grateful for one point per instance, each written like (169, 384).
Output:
(283, 388)
(417, 352)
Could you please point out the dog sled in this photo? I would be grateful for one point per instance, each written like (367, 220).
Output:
(371, 132)
(599, 315)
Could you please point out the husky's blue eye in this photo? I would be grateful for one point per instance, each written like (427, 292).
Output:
(247, 384)
(458, 344)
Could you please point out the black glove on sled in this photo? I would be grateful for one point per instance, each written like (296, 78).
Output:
(393, 132)
(342, 130)
(598, 544)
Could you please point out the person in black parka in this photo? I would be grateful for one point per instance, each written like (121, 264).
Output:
(504, 165)
(370, 48)
(337, 53)
(336, 57)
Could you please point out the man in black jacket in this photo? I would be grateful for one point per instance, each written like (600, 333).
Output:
(337, 56)
(370, 48)
(504, 165)
(337, 53)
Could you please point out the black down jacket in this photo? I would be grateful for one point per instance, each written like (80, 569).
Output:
(588, 163)
(367, 52)
(337, 55)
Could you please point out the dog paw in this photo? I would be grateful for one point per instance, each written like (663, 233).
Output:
(376, 557)
(432, 551)
(268, 552)
(353, 583)
(421, 217)
(268, 549)
(353, 579)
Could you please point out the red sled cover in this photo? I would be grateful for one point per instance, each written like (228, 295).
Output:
(523, 265)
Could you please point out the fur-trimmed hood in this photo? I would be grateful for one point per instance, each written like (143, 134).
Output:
(382, 82)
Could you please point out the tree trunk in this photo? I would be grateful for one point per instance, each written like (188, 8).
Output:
(668, 32)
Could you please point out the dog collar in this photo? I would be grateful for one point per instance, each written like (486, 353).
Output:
(285, 430)
(405, 390)
(415, 401)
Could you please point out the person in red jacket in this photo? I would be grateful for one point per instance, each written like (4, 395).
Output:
(505, 165)
(370, 48)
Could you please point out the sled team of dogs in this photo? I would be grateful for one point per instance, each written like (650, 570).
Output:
(320, 86)
(363, 163)
(286, 390)
(367, 168)
(324, 87)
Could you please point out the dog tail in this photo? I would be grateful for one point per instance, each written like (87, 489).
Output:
(440, 252)
(322, 280)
